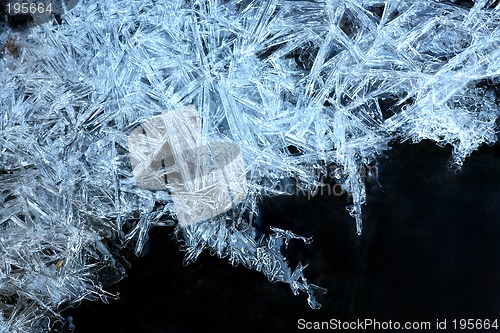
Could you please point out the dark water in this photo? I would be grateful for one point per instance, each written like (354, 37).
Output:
(430, 249)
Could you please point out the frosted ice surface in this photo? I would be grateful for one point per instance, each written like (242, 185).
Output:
(276, 92)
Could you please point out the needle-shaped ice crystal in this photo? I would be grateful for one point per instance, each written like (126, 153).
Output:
(120, 115)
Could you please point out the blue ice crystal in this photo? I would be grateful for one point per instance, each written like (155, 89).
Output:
(300, 87)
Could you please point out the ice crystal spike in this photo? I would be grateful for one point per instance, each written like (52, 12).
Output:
(265, 93)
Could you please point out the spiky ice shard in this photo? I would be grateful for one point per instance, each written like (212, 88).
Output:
(298, 86)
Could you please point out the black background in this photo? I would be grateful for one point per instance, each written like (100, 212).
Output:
(429, 250)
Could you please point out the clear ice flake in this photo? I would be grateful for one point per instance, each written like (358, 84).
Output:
(338, 81)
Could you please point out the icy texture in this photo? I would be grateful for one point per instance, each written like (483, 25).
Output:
(300, 86)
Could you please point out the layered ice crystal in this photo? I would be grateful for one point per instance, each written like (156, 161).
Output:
(298, 87)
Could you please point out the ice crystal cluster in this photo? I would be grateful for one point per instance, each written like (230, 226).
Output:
(298, 87)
